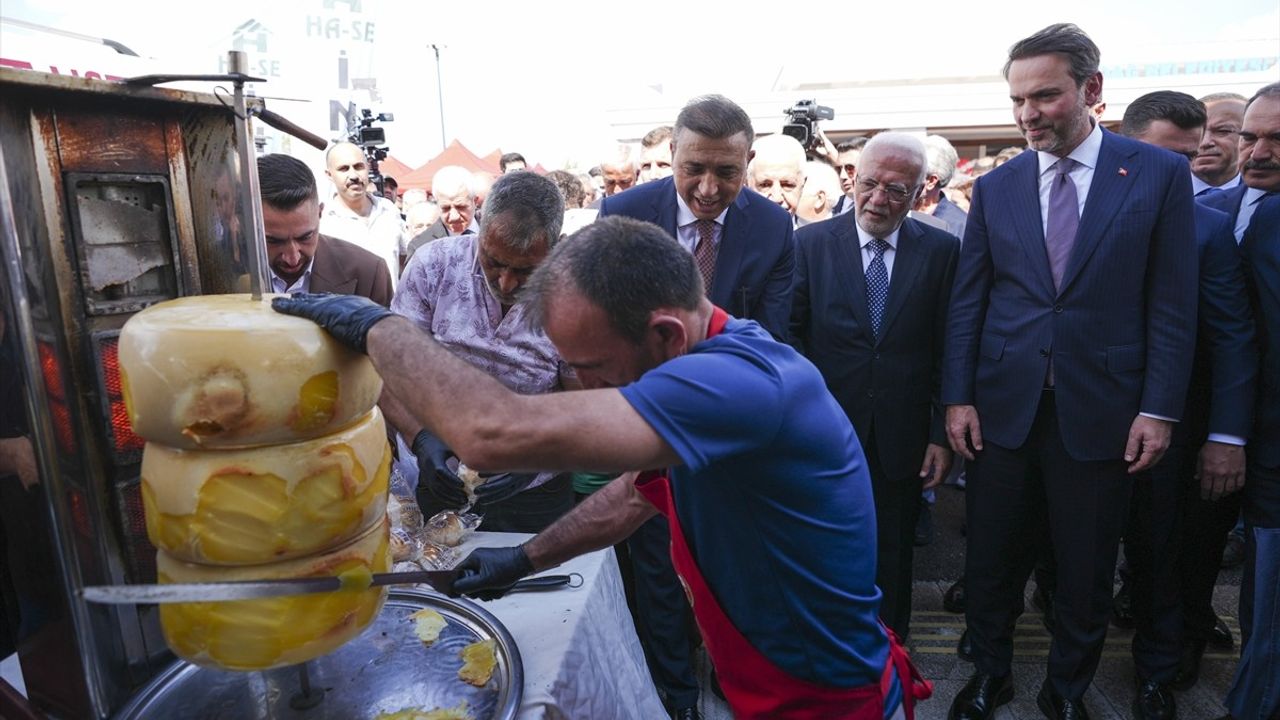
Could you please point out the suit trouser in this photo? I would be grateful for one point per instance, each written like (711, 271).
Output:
(897, 510)
(662, 613)
(1204, 528)
(1261, 510)
(1151, 543)
(1011, 492)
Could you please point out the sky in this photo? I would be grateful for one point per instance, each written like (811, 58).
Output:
(543, 78)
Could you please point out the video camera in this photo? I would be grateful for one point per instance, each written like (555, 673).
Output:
(362, 131)
(803, 125)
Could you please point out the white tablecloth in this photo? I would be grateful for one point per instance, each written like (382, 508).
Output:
(578, 645)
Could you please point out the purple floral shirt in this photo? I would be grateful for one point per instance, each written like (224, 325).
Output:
(443, 291)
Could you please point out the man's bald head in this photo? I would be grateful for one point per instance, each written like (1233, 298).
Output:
(347, 168)
(777, 170)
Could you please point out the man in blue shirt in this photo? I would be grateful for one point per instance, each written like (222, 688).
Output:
(769, 499)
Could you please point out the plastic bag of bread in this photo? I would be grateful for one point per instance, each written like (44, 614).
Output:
(450, 528)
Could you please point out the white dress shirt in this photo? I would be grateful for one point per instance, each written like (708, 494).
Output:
(381, 232)
(1198, 186)
(1086, 156)
(864, 242)
(1248, 204)
(687, 228)
(302, 284)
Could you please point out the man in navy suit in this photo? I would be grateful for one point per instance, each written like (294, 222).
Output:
(1254, 693)
(869, 309)
(744, 248)
(1181, 510)
(752, 241)
(1068, 352)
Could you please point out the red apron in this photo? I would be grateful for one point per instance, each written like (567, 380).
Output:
(753, 686)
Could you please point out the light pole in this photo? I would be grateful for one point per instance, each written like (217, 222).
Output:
(440, 95)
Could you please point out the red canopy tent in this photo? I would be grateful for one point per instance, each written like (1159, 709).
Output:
(455, 154)
(391, 167)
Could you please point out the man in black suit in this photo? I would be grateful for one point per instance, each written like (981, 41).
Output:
(869, 310)
(1068, 351)
(1254, 694)
(1181, 510)
(454, 194)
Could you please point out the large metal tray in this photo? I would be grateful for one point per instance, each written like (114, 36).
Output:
(385, 669)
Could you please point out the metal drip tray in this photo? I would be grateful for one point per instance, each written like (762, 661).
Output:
(385, 669)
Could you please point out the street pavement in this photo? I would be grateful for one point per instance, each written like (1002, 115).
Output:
(934, 633)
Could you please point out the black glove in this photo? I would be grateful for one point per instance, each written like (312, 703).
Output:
(347, 318)
(488, 573)
(439, 488)
(502, 486)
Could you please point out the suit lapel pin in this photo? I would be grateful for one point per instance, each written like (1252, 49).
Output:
(1124, 173)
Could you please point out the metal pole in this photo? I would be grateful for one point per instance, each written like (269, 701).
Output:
(440, 97)
(250, 198)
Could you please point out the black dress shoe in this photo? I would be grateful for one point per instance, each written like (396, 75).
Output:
(953, 598)
(1153, 702)
(964, 648)
(689, 713)
(1188, 666)
(980, 697)
(1220, 636)
(1056, 707)
(1122, 608)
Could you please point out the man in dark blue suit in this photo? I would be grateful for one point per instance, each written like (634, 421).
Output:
(1181, 510)
(869, 309)
(744, 248)
(1069, 348)
(1254, 693)
(752, 242)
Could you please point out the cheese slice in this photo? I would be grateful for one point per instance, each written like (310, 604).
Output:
(478, 662)
(427, 625)
(274, 632)
(215, 371)
(244, 507)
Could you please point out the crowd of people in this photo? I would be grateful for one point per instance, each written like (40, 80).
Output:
(743, 365)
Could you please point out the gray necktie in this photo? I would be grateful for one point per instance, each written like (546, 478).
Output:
(1064, 218)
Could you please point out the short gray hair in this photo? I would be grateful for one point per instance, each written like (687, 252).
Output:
(715, 117)
(619, 156)
(535, 205)
(942, 158)
(903, 142)
(452, 180)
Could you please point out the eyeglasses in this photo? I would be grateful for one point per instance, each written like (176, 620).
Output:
(895, 193)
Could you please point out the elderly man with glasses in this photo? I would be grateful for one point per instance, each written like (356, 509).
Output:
(870, 306)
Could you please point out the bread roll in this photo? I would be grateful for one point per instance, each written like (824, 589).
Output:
(217, 371)
(244, 507)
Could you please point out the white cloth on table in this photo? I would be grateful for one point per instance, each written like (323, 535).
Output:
(578, 645)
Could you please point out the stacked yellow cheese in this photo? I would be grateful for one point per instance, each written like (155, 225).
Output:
(266, 459)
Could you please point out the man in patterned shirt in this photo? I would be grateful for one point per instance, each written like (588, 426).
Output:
(463, 291)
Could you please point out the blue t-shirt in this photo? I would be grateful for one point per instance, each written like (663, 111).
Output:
(775, 501)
